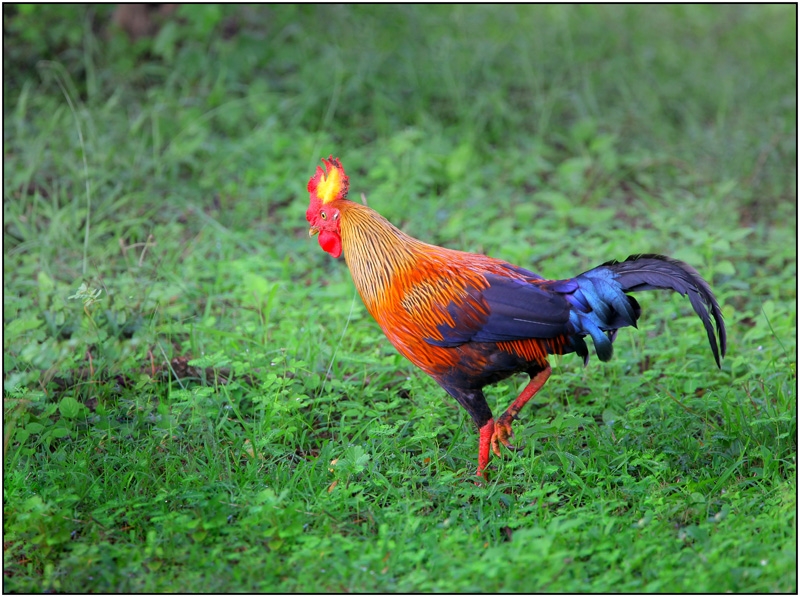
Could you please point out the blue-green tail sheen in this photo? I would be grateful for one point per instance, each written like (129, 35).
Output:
(600, 305)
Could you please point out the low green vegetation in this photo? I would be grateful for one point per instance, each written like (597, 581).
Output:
(195, 398)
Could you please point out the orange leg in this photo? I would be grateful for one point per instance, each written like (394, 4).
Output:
(487, 431)
(502, 427)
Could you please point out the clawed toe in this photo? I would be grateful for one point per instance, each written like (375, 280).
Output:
(502, 433)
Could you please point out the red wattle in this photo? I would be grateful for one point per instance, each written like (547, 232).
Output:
(330, 242)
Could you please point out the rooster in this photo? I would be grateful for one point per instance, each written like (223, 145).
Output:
(469, 320)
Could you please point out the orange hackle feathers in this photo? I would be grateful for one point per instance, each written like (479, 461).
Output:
(329, 184)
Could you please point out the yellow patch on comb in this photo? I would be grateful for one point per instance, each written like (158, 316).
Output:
(330, 185)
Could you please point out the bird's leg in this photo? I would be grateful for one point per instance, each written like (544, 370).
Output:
(502, 426)
(473, 400)
(487, 432)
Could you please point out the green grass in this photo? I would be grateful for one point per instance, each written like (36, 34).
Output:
(195, 398)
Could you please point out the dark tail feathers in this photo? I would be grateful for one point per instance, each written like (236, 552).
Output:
(600, 304)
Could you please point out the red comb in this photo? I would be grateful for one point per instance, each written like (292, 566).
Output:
(329, 184)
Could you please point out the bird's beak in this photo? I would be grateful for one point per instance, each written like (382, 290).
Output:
(313, 231)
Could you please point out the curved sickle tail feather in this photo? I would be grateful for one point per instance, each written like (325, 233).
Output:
(600, 305)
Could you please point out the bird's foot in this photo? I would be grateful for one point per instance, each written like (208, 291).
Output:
(502, 431)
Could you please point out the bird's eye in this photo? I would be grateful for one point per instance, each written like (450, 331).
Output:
(323, 215)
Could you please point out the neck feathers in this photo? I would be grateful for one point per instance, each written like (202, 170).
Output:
(376, 252)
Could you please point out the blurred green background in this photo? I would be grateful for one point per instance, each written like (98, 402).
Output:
(196, 400)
